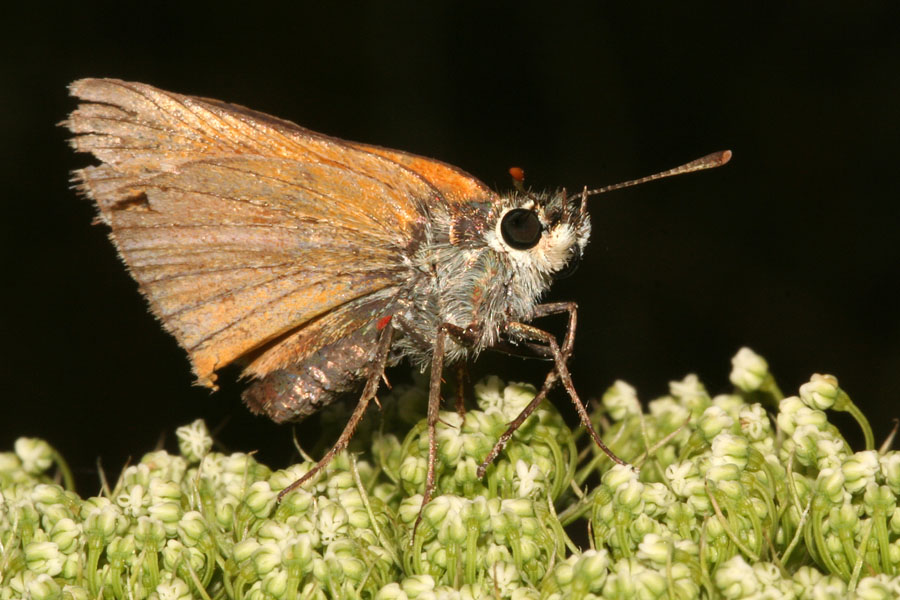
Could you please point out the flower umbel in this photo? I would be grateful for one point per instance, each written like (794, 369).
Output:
(723, 505)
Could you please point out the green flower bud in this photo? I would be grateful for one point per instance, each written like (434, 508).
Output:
(36, 454)
(192, 528)
(174, 555)
(489, 423)
(266, 558)
(895, 522)
(121, 550)
(748, 370)
(47, 494)
(44, 557)
(730, 403)
(43, 587)
(877, 587)
(66, 534)
(844, 518)
(75, 592)
(489, 393)
(680, 474)
(418, 585)
(629, 496)
(830, 483)
(167, 513)
(164, 466)
(714, 421)
(787, 408)
(735, 579)
(690, 393)
(161, 491)
(806, 439)
(564, 572)
(621, 401)
(332, 521)
(225, 512)
(413, 470)
(102, 521)
(524, 594)
(274, 584)
(879, 499)
(299, 553)
(150, 534)
(244, 550)
(657, 498)
(859, 470)
(172, 589)
(391, 591)
(504, 577)
(449, 442)
(338, 481)
(811, 416)
(890, 470)
(831, 451)
(194, 441)
(619, 475)
(754, 422)
(668, 414)
(516, 396)
(260, 499)
(731, 448)
(592, 568)
(466, 473)
(409, 508)
(820, 392)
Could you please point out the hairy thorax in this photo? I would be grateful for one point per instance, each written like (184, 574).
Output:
(464, 274)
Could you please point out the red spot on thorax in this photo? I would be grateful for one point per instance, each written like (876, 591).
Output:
(383, 321)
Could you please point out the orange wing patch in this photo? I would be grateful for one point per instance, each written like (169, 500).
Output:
(455, 185)
(242, 229)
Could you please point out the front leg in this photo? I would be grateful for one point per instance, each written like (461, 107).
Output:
(560, 356)
(525, 331)
(541, 310)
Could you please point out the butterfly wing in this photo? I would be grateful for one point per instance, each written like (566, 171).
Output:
(246, 233)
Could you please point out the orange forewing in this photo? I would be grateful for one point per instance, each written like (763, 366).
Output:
(455, 185)
(250, 236)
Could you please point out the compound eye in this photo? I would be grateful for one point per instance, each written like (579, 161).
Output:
(521, 228)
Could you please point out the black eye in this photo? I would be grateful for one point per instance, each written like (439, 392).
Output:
(570, 267)
(521, 228)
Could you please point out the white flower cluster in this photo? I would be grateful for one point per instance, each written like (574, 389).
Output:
(722, 499)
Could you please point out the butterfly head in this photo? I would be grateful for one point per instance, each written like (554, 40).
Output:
(543, 233)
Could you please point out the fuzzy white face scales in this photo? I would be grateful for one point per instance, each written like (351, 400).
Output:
(560, 242)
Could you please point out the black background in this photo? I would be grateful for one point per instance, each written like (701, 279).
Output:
(791, 249)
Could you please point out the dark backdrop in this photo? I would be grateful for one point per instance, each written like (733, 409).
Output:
(791, 249)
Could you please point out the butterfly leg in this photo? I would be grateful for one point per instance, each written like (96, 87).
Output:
(560, 356)
(462, 377)
(465, 335)
(375, 374)
(541, 310)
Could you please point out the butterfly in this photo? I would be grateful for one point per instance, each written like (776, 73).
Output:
(314, 262)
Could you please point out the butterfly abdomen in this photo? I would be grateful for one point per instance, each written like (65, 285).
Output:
(294, 393)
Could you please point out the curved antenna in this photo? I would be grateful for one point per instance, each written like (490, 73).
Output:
(710, 161)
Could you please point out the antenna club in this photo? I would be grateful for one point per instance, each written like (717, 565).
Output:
(710, 161)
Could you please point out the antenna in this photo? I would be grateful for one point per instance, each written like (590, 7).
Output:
(710, 161)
